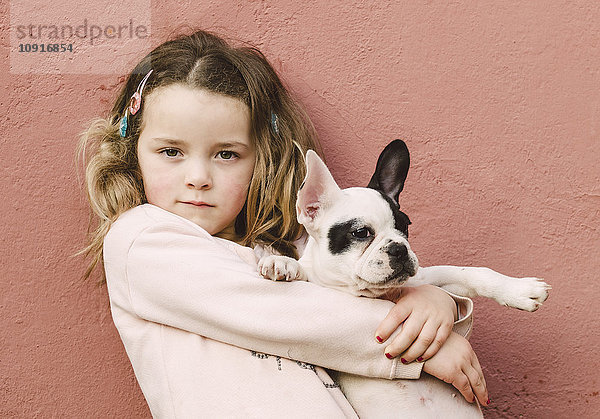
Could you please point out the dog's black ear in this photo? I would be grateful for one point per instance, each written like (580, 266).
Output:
(391, 170)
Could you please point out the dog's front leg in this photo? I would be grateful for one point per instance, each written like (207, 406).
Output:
(522, 293)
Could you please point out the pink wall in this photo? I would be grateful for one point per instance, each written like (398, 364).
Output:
(499, 103)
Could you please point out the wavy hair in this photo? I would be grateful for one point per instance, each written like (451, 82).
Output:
(206, 61)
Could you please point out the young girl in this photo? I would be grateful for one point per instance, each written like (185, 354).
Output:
(200, 160)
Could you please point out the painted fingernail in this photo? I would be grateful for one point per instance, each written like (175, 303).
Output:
(389, 356)
(420, 359)
(488, 402)
(403, 361)
(378, 339)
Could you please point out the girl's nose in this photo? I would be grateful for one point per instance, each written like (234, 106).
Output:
(198, 175)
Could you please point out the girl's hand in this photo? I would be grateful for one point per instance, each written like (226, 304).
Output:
(427, 315)
(457, 364)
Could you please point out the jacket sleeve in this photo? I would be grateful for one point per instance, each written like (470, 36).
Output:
(464, 323)
(190, 281)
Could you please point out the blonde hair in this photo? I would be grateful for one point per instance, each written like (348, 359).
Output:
(205, 61)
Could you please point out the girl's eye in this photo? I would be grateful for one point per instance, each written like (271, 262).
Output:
(227, 155)
(170, 152)
(362, 233)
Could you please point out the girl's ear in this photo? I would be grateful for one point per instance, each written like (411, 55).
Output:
(391, 170)
(318, 191)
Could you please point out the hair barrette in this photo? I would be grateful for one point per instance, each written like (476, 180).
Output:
(274, 119)
(135, 103)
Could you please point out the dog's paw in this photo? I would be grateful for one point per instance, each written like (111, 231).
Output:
(526, 294)
(281, 268)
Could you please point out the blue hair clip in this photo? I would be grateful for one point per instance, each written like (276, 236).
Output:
(123, 125)
(274, 120)
(135, 103)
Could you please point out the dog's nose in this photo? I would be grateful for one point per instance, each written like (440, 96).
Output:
(397, 250)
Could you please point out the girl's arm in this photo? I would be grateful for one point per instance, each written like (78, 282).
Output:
(173, 274)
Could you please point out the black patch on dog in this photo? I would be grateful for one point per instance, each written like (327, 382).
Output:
(401, 220)
(341, 238)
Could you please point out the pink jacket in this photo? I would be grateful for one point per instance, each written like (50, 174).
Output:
(207, 335)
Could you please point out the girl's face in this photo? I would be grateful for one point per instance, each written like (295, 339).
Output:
(196, 155)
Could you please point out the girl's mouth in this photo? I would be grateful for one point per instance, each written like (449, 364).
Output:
(198, 204)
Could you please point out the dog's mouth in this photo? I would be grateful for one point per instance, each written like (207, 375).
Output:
(376, 275)
(403, 273)
(394, 280)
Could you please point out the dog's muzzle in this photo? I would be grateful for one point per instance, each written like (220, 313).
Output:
(387, 265)
(403, 264)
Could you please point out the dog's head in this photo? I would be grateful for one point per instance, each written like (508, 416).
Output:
(360, 233)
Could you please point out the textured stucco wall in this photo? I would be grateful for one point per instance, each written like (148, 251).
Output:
(499, 103)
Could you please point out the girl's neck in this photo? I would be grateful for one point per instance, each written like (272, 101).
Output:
(229, 234)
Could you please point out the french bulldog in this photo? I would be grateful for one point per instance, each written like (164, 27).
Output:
(358, 243)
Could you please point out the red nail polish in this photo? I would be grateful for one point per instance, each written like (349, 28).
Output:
(389, 356)
(378, 339)
(420, 359)
(488, 402)
(403, 361)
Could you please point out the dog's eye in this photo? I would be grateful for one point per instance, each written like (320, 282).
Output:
(362, 233)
